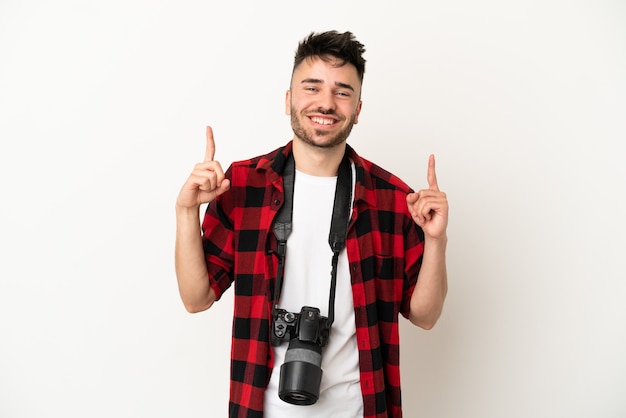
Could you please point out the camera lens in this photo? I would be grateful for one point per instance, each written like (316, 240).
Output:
(301, 373)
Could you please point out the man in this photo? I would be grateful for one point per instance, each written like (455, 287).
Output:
(393, 261)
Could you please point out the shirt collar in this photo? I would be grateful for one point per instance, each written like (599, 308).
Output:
(274, 164)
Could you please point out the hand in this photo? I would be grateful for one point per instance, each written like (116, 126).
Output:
(429, 207)
(206, 181)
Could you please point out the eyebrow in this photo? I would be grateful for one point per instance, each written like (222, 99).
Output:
(319, 81)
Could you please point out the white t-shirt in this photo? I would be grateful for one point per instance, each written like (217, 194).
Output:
(307, 283)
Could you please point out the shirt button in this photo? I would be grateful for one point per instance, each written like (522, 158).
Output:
(277, 202)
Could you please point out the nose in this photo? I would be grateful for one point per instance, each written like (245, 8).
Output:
(326, 102)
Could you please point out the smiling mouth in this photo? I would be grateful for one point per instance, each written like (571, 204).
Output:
(322, 121)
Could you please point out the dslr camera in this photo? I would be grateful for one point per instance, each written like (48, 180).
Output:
(301, 372)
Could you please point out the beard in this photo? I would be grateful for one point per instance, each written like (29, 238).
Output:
(308, 137)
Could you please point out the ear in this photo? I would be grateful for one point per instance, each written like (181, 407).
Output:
(358, 112)
(288, 103)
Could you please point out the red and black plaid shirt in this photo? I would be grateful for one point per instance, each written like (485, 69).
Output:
(384, 248)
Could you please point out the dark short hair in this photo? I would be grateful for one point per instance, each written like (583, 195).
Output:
(332, 45)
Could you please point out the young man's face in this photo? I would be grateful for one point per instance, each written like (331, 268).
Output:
(323, 102)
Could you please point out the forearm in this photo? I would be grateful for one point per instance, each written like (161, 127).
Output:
(432, 285)
(191, 269)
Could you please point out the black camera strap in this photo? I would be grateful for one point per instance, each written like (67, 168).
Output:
(338, 226)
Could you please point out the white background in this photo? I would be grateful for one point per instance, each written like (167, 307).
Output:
(102, 113)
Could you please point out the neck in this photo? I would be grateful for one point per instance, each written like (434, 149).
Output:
(317, 161)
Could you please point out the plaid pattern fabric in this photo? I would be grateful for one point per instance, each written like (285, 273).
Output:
(384, 248)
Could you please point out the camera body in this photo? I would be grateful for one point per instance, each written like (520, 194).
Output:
(308, 325)
(301, 372)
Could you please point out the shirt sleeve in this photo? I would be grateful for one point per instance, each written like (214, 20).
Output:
(413, 253)
(217, 241)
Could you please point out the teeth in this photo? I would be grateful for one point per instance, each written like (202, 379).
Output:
(323, 121)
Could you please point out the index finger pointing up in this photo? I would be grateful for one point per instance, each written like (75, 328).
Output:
(432, 175)
(210, 145)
